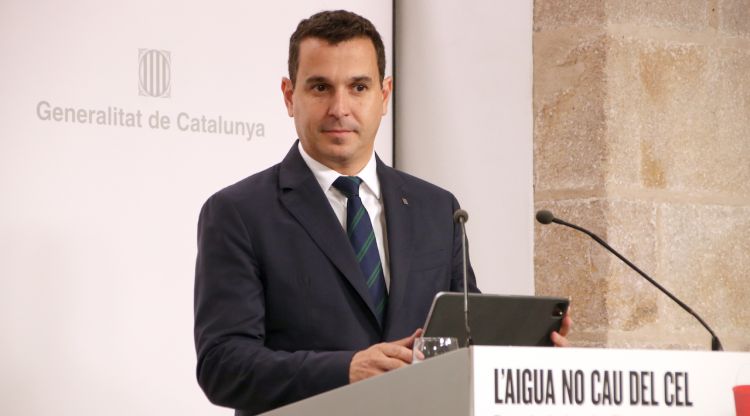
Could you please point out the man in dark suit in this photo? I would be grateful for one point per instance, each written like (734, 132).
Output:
(290, 301)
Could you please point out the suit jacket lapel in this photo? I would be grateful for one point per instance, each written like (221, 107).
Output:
(300, 193)
(398, 218)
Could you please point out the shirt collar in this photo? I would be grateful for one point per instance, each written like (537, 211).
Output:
(326, 176)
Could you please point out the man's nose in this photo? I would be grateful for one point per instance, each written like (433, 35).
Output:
(340, 105)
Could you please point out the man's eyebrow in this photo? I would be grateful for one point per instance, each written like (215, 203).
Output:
(316, 79)
(362, 79)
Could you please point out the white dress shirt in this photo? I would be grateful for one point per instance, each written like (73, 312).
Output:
(370, 194)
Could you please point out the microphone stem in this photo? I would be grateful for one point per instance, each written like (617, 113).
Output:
(715, 343)
(469, 341)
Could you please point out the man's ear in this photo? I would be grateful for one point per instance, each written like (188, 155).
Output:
(387, 90)
(287, 89)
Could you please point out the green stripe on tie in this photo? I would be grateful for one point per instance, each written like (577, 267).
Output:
(366, 246)
(355, 221)
(379, 308)
(374, 275)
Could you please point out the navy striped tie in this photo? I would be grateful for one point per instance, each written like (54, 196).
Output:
(362, 237)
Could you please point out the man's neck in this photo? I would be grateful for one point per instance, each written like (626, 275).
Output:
(326, 175)
(350, 168)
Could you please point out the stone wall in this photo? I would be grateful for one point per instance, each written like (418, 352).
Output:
(642, 134)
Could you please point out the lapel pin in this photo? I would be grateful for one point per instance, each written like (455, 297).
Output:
(405, 201)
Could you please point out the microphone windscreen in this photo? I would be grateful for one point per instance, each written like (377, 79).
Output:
(460, 216)
(544, 216)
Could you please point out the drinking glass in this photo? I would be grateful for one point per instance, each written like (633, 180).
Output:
(428, 347)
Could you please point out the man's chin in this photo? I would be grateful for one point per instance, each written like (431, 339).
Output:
(341, 146)
(341, 156)
(337, 151)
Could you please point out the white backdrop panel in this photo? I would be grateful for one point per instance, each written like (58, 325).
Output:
(97, 221)
(464, 122)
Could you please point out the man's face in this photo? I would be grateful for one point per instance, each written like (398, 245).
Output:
(337, 101)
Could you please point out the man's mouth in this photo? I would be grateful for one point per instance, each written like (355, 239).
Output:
(339, 128)
(335, 131)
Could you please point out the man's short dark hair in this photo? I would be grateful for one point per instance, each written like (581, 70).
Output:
(334, 27)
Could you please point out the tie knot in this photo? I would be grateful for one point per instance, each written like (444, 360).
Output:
(348, 185)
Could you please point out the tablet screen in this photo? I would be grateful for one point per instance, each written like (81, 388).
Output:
(496, 319)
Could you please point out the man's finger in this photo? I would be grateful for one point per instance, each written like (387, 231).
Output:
(396, 351)
(383, 363)
(567, 322)
(558, 340)
(389, 364)
(409, 341)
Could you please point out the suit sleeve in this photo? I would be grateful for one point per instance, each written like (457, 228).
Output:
(234, 367)
(457, 276)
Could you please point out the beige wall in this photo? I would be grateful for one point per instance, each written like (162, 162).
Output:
(642, 134)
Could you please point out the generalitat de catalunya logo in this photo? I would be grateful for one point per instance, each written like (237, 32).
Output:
(154, 73)
(154, 80)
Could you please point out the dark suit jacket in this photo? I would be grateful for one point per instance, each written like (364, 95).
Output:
(281, 305)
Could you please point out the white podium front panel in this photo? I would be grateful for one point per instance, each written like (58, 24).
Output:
(437, 387)
(511, 381)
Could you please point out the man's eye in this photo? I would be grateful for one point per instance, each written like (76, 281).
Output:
(360, 87)
(320, 87)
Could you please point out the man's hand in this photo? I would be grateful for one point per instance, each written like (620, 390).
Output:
(559, 338)
(382, 357)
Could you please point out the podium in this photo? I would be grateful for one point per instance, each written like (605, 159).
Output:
(507, 381)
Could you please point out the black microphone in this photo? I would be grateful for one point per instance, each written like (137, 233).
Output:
(546, 217)
(460, 217)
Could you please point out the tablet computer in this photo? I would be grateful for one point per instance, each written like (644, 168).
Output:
(496, 319)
